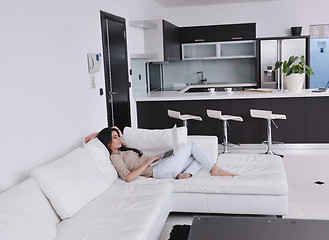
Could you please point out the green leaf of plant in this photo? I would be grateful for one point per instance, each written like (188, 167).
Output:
(288, 67)
(278, 64)
(308, 71)
(292, 59)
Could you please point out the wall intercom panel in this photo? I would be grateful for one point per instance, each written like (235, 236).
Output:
(94, 62)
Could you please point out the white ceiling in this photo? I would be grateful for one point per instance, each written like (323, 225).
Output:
(190, 3)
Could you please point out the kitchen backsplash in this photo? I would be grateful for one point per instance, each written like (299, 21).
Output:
(215, 71)
(162, 76)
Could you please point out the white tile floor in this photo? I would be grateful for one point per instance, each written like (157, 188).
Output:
(305, 164)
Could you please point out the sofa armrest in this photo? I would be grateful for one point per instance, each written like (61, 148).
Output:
(208, 143)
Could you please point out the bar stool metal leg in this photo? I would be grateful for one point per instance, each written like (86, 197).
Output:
(225, 138)
(264, 114)
(269, 139)
(225, 118)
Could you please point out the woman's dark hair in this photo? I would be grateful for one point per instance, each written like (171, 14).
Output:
(105, 136)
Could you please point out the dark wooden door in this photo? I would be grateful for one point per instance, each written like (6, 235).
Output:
(116, 70)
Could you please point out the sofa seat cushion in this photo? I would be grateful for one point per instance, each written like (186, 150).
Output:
(25, 213)
(124, 211)
(258, 174)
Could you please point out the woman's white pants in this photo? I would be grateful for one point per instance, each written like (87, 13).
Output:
(189, 158)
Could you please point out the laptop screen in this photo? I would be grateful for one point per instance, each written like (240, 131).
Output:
(174, 139)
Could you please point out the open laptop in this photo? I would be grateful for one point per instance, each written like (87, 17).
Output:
(172, 152)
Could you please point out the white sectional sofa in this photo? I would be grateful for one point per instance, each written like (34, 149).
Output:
(80, 196)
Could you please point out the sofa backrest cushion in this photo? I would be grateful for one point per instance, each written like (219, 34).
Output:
(99, 153)
(25, 213)
(70, 182)
(153, 142)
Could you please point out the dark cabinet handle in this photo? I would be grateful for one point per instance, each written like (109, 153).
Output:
(236, 38)
(199, 40)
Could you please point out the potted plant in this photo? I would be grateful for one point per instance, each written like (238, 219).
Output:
(294, 72)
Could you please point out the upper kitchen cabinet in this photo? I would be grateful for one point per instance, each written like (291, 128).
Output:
(219, 50)
(171, 44)
(198, 34)
(162, 40)
(218, 33)
(244, 31)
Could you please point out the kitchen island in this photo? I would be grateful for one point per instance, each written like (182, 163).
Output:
(307, 114)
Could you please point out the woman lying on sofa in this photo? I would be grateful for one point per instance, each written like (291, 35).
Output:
(131, 163)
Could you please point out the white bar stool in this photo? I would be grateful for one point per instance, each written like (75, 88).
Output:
(184, 117)
(225, 118)
(270, 117)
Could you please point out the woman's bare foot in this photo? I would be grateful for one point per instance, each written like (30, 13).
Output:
(183, 175)
(217, 171)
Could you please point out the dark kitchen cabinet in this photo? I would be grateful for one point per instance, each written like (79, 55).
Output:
(245, 31)
(307, 118)
(218, 33)
(251, 130)
(198, 34)
(171, 44)
(153, 115)
(317, 119)
(291, 130)
(254, 130)
(161, 41)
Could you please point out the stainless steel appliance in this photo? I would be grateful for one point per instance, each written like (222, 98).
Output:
(279, 49)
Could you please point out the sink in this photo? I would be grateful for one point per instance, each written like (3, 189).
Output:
(218, 86)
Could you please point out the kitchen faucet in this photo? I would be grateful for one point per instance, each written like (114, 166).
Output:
(203, 80)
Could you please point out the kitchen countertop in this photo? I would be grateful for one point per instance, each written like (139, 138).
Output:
(177, 96)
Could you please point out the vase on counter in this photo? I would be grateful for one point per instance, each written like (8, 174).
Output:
(294, 82)
(296, 31)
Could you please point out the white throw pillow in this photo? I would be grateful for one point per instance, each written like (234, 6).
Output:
(101, 156)
(70, 182)
(25, 213)
(153, 142)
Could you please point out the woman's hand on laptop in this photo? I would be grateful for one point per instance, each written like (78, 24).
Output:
(152, 159)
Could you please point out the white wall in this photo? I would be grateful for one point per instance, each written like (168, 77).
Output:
(273, 18)
(47, 105)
